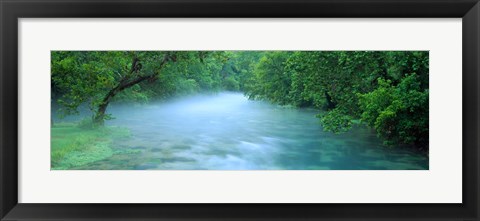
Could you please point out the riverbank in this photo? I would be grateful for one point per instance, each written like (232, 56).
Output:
(74, 146)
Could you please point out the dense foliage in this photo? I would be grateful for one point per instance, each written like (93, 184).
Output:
(96, 78)
(386, 90)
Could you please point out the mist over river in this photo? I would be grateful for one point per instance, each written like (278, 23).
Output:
(226, 131)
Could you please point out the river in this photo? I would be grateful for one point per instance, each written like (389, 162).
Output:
(226, 131)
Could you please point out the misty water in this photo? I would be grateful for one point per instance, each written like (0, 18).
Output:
(227, 131)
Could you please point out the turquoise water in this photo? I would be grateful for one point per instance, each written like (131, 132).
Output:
(227, 131)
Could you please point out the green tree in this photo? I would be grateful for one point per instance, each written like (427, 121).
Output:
(398, 113)
(345, 85)
(95, 77)
(271, 80)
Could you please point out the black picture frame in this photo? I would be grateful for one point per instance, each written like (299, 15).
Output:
(11, 10)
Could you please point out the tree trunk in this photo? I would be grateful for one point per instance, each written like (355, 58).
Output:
(102, 108)
(330, 103)
(125, 83)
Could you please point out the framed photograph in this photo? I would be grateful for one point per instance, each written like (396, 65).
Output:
(231, 110)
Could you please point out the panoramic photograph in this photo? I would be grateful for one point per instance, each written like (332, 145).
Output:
(239, 110)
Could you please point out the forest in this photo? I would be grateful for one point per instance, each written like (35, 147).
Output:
(384, 91)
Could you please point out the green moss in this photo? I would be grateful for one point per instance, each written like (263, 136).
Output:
(73, 146)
